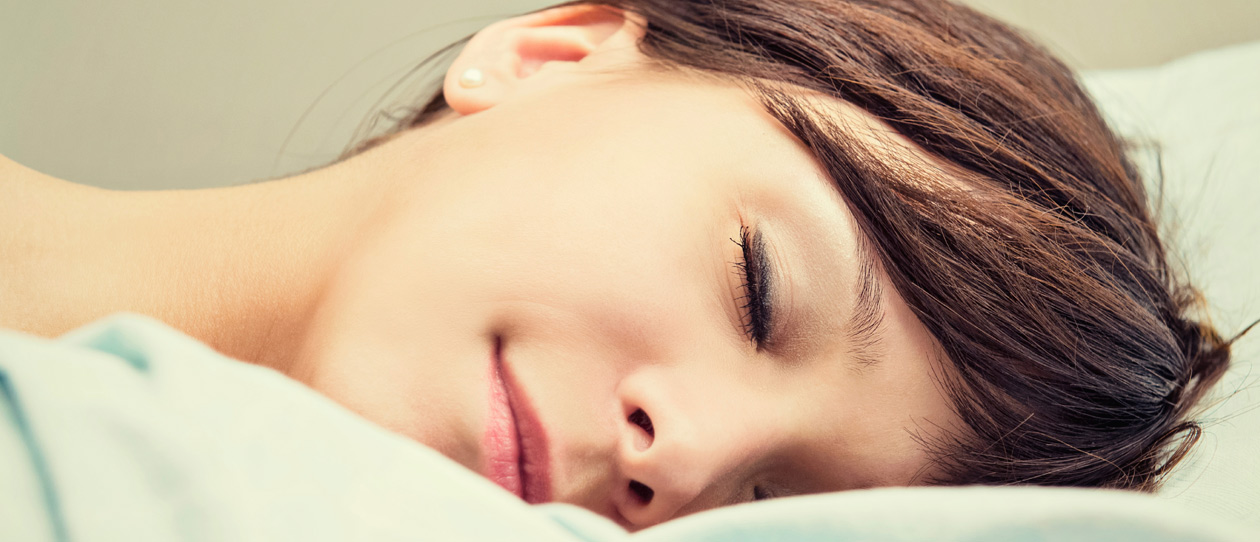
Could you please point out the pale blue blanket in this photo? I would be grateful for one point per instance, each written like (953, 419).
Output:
(128, 430)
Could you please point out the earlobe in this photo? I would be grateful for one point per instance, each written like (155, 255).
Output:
(506, 57)
(472, 78)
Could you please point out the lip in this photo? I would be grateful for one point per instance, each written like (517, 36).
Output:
(515, 441)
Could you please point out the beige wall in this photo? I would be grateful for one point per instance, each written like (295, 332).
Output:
(178, 93)
(1129, 33)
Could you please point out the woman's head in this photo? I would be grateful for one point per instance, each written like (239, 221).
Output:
(724, 249)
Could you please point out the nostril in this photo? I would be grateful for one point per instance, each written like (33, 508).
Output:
(641, 419)
(643, 492)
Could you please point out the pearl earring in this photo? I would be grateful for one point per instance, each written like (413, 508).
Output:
(472, 78)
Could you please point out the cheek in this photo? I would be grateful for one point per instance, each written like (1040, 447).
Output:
(564, 238)
(616, 268)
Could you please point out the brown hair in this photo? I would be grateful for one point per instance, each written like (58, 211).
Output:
(1038, 266)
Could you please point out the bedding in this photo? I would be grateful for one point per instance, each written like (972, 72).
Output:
(128, 430)
(1198, 119)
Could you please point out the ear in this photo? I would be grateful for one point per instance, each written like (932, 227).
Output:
(511, 54)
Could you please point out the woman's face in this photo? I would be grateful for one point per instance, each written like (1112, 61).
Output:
(588, 240)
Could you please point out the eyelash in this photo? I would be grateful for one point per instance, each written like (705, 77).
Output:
(753, 302)
(760, 494)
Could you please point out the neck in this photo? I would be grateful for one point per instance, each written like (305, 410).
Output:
(239, 268)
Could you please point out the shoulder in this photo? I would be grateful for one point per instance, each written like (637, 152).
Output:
(26, 199)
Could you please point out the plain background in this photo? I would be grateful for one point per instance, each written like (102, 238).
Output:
(143, 94)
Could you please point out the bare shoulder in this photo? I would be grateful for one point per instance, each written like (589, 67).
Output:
(17, 185)
(24, 193)
(6, 164)
(10, 188)
(12, 175)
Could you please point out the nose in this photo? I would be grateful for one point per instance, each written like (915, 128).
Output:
(678, 445)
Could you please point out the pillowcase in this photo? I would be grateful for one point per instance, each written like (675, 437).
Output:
(1200, 117)
(129, 430)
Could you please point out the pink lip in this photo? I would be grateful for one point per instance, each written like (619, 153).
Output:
(515, 442)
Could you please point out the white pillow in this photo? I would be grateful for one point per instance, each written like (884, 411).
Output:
(1202, 115)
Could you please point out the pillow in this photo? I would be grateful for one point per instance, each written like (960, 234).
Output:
(1200, 117)
(128, 430)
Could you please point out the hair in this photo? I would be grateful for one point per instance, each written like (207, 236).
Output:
(1027, 247)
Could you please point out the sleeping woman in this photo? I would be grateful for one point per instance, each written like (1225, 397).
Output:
(652, 257)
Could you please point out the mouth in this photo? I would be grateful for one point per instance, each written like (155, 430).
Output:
(515, 441)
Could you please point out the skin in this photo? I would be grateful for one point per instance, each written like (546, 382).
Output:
(579, 209)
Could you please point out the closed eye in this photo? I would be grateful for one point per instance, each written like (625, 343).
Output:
(754, 303)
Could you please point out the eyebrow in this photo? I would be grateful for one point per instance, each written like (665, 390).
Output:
(867, 318)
